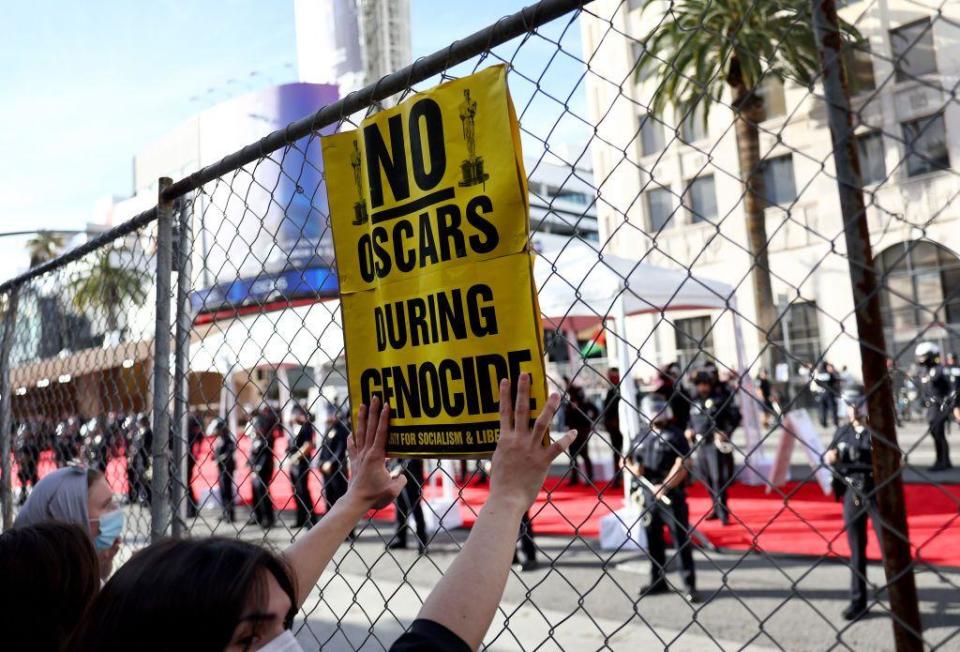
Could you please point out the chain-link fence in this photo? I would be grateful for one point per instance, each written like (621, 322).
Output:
(722, 219)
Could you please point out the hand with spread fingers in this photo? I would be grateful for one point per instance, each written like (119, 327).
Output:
(521, 460)
(370, 482)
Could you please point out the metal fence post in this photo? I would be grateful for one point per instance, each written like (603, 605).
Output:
(160, 500)
(184, 319)
(898, 565)
(6, 404)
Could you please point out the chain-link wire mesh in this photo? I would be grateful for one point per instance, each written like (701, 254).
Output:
(79, 370)
(693, 246)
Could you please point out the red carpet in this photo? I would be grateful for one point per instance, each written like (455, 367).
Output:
(800, 520)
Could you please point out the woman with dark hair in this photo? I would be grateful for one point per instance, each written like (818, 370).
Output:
(78, 495)
(217, 594)
(242, 594)
(49, 577)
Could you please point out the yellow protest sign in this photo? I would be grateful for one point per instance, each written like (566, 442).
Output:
(430, 218)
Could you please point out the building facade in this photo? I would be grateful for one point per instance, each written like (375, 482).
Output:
(672, 192)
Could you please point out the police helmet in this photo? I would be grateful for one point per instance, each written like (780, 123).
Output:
(216, 427)
(703, 377)
(927, 353)
(129, 422)
(656, 409)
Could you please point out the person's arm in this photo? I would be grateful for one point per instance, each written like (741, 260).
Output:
(466, 598)
(676, 476)
(371, 487)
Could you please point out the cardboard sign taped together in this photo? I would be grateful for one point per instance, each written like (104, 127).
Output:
(430, 218)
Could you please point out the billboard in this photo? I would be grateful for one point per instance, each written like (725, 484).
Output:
(261, 232)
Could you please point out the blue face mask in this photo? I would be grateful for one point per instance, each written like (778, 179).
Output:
(111, 524)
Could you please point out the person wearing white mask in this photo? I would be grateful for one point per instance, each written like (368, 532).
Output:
(223, 594)
(78, 495)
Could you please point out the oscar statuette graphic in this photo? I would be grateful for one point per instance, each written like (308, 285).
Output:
(359, 207)
(472, 167)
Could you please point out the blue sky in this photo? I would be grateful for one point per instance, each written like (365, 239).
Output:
(87, 85)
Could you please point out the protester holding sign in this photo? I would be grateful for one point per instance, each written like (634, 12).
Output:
(250, 596)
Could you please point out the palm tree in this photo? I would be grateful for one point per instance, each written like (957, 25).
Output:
(106, 287)
(44, 246)
(703, 48)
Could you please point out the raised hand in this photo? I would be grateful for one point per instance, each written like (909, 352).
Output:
(370, 482)
(521, 460)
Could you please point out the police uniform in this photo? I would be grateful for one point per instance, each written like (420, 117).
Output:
(409, 501)
(300, 452)
(334, 452)
(95, 445)
(611, 423)
(829, 384)
(935, 391)
(139, 455)
(224, 450)
(27, 453)
(66, 447)
(262, 462)
(709, 416)
(854, 481)
(656, 453)
(194, 440)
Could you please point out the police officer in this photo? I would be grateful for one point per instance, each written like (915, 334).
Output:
(66, 447)
(712, 421)
(139, 454)
(409, 501)
(936, 394)
(611, 421)
(224, 450)
(261, 463)
(194, 441)
(579, 415)
(95, 444)
(658, 461)
(333, 458)
(827, 381)
(849, 455)
(26, 448)
(299, 454)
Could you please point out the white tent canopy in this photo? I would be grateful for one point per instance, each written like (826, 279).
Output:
(579, 281)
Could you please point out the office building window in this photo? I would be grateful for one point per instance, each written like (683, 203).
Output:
(659, 208)
(700, 199)
(925, 141)
(859, 64)
(781, 188)
(694, 340)
(693, 127)
(913, 52)
(652, 139)
(873, 168)
(920, 283)
(774, 100)
(802, 343)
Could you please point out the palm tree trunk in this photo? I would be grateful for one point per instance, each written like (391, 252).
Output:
(750, 112)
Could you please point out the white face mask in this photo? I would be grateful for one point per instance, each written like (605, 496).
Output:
(286, 642)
